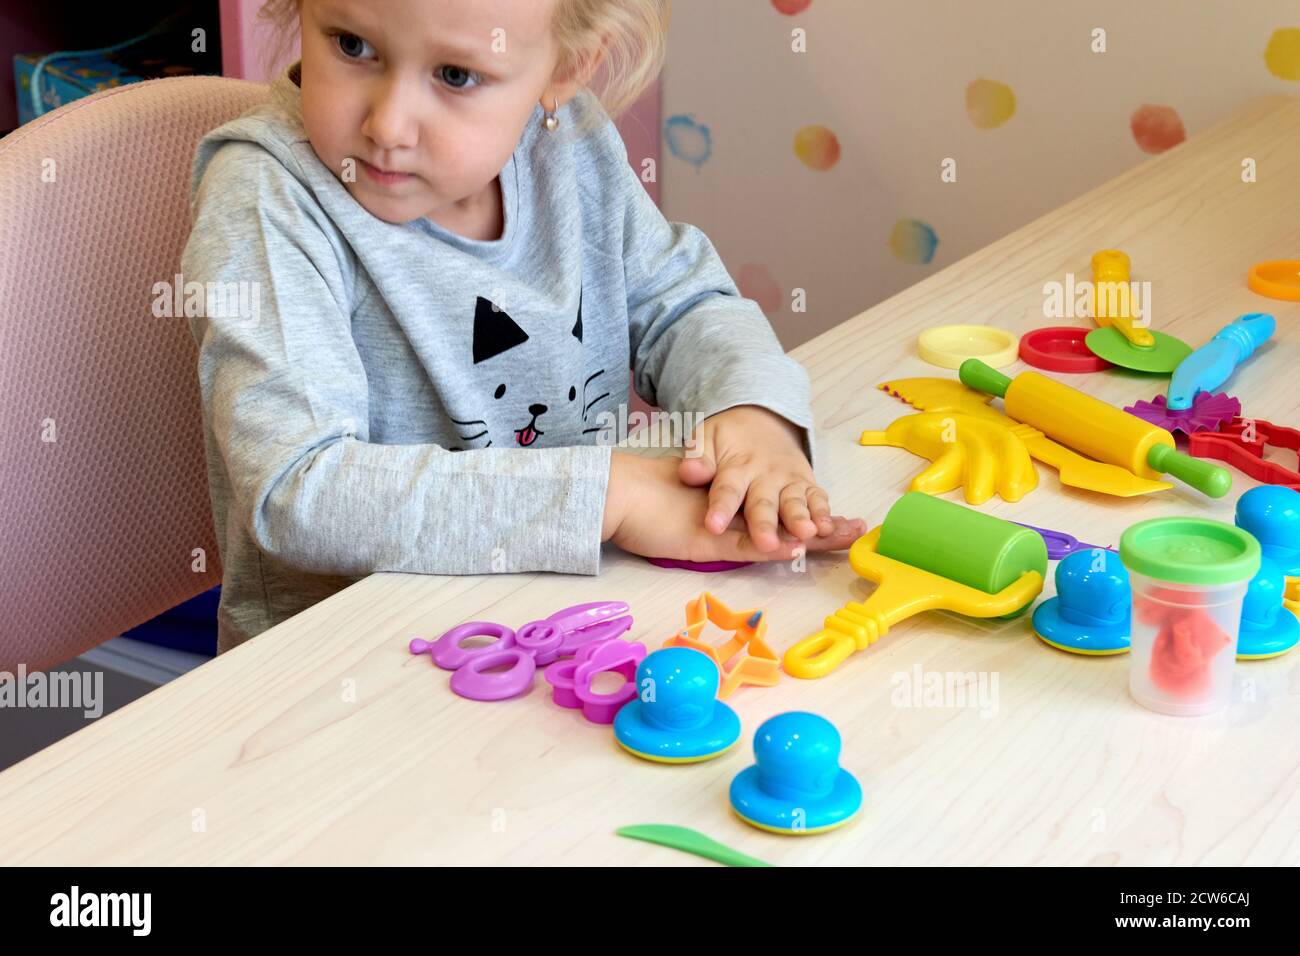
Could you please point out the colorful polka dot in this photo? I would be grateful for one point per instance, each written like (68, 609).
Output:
(1156, 128)
(1282, 55)
(913, 241)
(989, 103)
(755, 282)
(817, 147)
(688, 140)
(791, 7)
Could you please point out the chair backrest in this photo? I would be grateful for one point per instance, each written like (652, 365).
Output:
(105, 518)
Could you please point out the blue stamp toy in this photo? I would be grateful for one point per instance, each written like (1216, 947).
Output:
(796, 786)
(1092, 607)
(1272, 514)
(676, 716)
(1267, 628)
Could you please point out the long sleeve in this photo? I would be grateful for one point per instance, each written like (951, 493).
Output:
(697, 344)
(286, 403)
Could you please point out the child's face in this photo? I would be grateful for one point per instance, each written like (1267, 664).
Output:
(438, 90)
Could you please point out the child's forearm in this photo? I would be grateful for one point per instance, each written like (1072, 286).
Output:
(355, 508)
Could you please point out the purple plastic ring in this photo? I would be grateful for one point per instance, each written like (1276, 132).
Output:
(471, 680)
(449, 655)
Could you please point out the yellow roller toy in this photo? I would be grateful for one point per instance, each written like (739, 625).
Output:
(1091, 427)
(928, 554)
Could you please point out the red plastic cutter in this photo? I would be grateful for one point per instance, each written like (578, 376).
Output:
(1232, 445)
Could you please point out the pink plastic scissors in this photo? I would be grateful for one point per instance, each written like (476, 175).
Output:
(520, 652)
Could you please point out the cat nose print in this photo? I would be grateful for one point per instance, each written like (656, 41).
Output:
(536, 409)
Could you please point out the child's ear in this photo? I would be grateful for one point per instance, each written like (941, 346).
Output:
(571, 77)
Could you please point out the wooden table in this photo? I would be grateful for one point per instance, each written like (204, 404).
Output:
(324, 741)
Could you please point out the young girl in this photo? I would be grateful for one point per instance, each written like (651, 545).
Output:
(452, 268)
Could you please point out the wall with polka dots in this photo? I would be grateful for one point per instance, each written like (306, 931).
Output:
(850, 148)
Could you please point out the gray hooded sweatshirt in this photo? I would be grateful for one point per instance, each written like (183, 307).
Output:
(381, 397)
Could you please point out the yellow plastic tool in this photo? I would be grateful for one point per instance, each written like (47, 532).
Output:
(1111, 270)
(903, 592)
(978, 454)
(1076, 471)
(1291, 600)
(950, 345)
(1092, 427)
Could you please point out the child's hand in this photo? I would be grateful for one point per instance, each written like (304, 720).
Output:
(649, 511)
(753, 456)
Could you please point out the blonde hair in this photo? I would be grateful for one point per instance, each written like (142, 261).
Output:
(633, 33)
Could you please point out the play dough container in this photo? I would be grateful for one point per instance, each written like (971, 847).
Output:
(1189, 577)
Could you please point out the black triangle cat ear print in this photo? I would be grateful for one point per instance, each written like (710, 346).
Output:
(494, 331)
(577, 327)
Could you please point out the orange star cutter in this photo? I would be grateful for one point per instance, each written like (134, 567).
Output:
(745, 658)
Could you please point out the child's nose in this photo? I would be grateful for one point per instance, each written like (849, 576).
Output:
(536, 409)
(390, 123)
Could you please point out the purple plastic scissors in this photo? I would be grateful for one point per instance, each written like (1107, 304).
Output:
(1059, 544)
(521, 652)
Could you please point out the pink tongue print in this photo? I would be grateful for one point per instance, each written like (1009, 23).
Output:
(526, 435)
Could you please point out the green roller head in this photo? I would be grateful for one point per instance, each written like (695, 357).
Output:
(959, 543)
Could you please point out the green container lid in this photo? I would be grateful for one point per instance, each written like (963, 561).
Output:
(1190, 551)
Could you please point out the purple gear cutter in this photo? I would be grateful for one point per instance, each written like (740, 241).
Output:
(1206, 413)
(1059, 544)
(536, 644)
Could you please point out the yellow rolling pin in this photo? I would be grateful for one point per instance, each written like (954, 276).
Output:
(1091, 427)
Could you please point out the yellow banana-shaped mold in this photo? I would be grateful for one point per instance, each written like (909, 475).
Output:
(980, 455)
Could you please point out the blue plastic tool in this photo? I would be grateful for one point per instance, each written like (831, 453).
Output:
(1267, 628)
(1209, 366)
(676, 716)
(796, 785)
(1272, 514)
(1091, 610)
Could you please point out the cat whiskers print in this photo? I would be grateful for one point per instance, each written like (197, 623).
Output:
(586, 405)
(513, 411)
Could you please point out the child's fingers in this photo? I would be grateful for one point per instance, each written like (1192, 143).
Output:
(795, 512)
(699, 461)
(761, 514)
(725, 496)
(845, 532)
(737, 545)
(819, 506)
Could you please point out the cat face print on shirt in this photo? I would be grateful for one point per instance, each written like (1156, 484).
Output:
(528, 402)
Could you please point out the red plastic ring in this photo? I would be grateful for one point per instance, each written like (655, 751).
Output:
(1061, 348)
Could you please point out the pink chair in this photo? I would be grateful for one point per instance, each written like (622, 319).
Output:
(103, 485)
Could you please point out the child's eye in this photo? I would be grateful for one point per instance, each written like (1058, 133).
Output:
(458, 77)
(351, 45)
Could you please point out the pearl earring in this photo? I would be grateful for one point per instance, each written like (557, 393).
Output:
(551, 122)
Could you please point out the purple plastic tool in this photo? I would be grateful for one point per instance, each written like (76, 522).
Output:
(1206, 414)
(536, 644)
(1059, 544)
(698, 565)
(572, 680)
